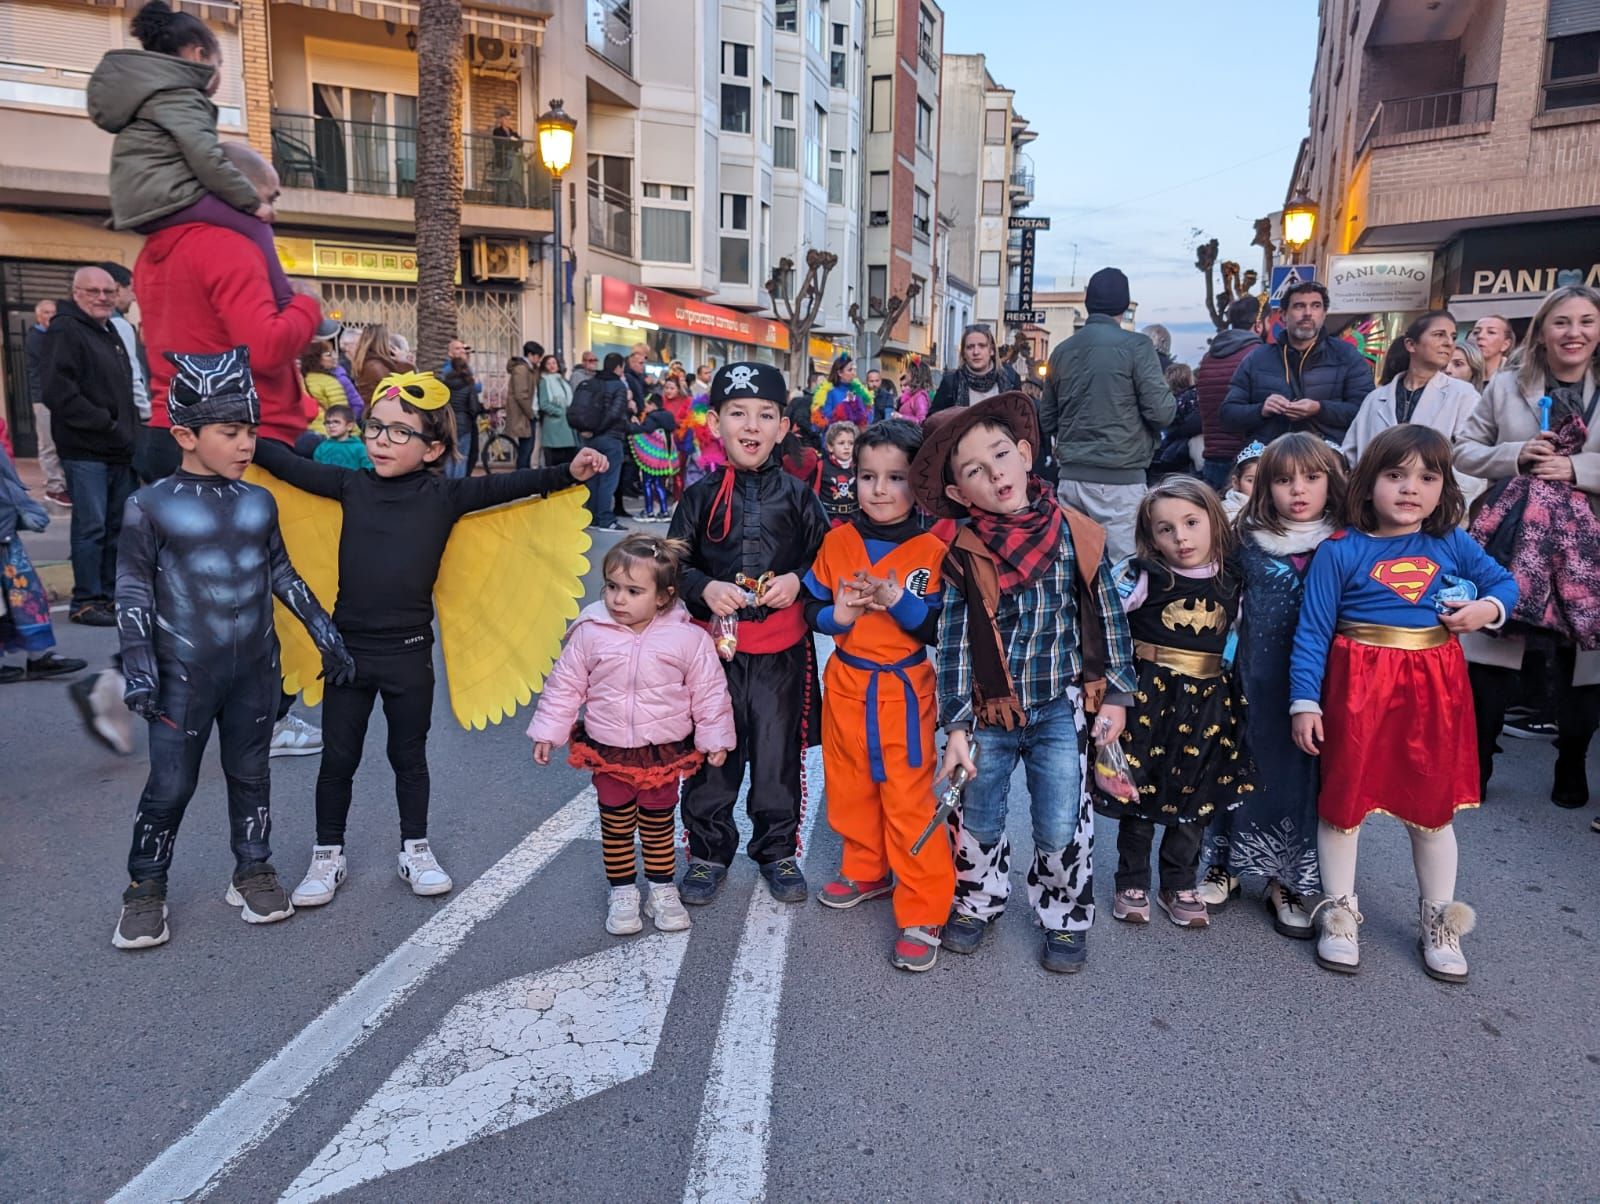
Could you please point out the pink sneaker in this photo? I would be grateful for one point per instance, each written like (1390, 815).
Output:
(1132, 907)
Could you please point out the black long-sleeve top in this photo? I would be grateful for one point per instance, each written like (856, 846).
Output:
(395, 531)
(773, 523)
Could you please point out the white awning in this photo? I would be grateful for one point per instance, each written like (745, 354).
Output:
(1469, 308)
(520, 21)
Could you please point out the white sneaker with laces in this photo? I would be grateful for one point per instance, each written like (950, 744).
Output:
(622, 912)
(323, 876)
(1288, 910)
(421, 868)
(292, 736)
(665, 908)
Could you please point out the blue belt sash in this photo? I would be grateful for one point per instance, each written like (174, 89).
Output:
(913, 711)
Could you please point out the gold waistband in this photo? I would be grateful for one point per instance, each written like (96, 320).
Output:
(1180, 660)
(1411, 639)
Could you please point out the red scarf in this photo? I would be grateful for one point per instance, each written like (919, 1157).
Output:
(1025, 544)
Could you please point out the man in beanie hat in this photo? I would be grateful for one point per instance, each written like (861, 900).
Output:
(1031, 638)
(1105, 404)
(752, 531)
(199, 562)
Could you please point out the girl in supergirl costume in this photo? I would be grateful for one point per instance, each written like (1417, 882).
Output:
(1380, 686)
(655, 707)
(1184, 735)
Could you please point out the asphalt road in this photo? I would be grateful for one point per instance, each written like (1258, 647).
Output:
(498, 1044)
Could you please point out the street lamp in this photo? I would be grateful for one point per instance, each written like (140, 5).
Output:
(1299, 222)
(556, 131)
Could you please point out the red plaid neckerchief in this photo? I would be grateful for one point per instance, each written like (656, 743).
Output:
(1025, 544)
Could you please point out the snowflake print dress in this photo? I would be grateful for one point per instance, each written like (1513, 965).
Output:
(1274, 835)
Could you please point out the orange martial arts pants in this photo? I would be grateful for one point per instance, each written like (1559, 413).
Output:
(879, 821)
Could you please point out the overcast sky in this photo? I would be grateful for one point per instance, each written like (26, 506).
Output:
(1156, 119)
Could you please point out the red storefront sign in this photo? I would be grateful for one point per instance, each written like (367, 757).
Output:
(619, 299)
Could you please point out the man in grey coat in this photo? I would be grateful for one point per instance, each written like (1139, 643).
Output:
(1105, 404)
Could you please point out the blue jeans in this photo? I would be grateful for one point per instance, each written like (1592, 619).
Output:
(1215, 473)
(603, 485)
(461, 464)
(1060, 879)
(99, 492)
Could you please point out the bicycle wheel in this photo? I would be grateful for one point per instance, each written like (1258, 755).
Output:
(499, 451)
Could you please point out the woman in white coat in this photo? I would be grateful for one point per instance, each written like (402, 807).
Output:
(1416, 388)
(1502, 438)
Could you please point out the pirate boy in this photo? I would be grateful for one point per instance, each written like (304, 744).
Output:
(752, 531)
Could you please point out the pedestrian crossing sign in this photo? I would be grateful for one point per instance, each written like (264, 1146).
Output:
(1286, 275)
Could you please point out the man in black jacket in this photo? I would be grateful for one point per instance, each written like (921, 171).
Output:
(1309, 381)
(88, 388)
(607, 439)
(464, 389)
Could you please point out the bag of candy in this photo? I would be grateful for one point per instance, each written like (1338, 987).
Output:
(1113, 776)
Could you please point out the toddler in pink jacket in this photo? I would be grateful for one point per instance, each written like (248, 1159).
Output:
(655, 704)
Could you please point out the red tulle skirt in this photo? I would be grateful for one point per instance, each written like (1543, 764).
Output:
(1399, 735)
(643, 768)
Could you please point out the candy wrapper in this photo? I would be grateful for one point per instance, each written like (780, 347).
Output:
(1113, 776)
(1455, 589)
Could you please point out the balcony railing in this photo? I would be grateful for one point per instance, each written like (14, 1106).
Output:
(610, 32)
(1434, 111)
(610, 219)
(363, 157)
(1022, 180)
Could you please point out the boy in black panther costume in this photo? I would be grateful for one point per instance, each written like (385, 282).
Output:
(199, 562)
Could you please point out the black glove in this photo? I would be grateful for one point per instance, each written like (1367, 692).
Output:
(338, 666)
(141, 700)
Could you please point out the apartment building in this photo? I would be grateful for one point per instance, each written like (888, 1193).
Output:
(1457, 146)
(905, 48)
(985, 177)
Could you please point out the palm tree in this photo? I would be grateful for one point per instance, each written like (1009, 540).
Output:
(439, 175)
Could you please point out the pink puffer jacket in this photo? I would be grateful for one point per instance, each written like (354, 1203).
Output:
(651, 688)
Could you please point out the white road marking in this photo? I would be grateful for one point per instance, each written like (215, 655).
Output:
(729, 1163)
(505, 1055)
(198, 1160)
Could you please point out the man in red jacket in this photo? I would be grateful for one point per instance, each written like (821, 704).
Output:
(205, 289)
(1211, 381)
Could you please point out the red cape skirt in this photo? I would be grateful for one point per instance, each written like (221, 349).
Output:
(1399, 735)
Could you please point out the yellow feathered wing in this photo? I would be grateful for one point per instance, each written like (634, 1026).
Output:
(508, 587)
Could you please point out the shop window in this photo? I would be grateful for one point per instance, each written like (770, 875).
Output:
(783, 133)
(877, 289)
(921, 214)
(1572, 61)
(994, 127)
(988, 268)
(881, 118)
(878, 199)
(666, 224)
(816, 139)
(836, 180)
(736, 87)
(839, 58)
(787, 13)
(735, 238)
(994, 195)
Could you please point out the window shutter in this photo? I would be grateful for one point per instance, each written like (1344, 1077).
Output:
(230, 93)
(1568, 17)
(73, 39)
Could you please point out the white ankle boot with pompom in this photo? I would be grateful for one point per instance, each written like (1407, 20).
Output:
(1440, 929)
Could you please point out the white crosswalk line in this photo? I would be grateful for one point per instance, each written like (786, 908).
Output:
(197, 1161)
(502, 1057)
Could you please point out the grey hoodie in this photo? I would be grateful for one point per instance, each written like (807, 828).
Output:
(166, 154)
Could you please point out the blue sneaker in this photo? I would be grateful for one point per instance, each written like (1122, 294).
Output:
(701, 882)
(963, 934)
(1064, 952)
(785, 881)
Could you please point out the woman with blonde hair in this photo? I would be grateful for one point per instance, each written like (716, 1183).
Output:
(1496, 342)
(1466, 364)
(379, 353)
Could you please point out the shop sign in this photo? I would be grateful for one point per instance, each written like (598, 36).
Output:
(1529, 259)
(619, 299)
(333, 260)
(1380, 283)
(1028, 223)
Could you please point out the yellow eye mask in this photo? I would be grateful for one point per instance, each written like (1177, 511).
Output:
(421, 389)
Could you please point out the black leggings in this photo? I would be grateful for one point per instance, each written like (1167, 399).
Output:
(242, 710)
(404, 679)
(1494, 688)
(1179, 857)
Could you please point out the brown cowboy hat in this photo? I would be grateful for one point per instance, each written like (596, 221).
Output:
(941, 433)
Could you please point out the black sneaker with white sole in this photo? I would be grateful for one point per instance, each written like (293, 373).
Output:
(144, 917)
(255, 889)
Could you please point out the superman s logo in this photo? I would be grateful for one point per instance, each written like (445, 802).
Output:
(1409, 576)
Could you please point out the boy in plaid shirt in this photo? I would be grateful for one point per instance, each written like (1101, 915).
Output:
(1031, 636)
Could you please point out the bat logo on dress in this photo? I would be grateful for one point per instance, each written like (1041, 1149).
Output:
(1196, 614)
(1408, 576)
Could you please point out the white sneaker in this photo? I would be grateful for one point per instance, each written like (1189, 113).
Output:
(1217, 887)
(1442, 925)
(622, 913)
(1339, 946)
(419, 867)
(665, 908)
(1289, 913)
(323, 876)
(292, 736)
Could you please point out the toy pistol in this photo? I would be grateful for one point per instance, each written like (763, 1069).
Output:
(947, 804)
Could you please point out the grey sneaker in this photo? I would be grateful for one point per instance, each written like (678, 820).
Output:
(255, 889)
(1184, 908)
(144, 917)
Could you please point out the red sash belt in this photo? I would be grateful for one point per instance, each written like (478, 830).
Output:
(778, 632)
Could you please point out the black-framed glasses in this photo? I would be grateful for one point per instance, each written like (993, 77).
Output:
(399, 433)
